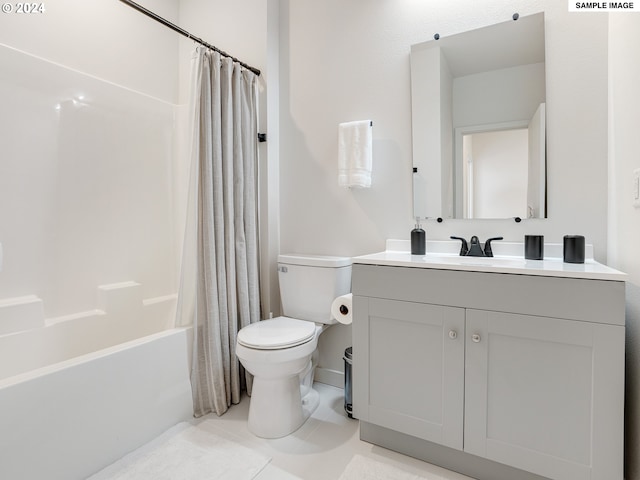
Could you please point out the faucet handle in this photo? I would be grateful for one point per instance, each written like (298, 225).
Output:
(488, 252)
(464, 248)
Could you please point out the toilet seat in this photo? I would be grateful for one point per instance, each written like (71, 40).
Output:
(276, 333)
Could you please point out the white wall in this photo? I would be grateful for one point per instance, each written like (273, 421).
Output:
(362, 71)
(88, 92)
(624, 219)
(344, 61)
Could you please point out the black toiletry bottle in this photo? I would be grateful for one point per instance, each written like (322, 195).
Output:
(418, 239)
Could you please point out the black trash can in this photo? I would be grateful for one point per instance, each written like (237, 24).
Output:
(348, 398)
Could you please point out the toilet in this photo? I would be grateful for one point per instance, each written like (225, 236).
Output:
(280, 353)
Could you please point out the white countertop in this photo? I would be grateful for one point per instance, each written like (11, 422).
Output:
(549, 267)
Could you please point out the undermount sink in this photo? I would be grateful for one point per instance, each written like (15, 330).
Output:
(479, 261)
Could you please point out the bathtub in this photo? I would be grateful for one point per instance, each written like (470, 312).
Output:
(68, 419)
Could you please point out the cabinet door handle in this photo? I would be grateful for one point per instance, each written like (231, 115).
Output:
(476, 338)
(453, 334)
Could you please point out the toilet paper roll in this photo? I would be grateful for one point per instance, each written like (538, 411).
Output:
(341, 309)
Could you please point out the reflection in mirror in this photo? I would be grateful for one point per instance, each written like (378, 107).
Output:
(478, 121)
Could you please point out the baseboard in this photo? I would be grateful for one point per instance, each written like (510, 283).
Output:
(328, 376)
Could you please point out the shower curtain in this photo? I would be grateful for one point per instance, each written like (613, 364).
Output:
(219, 291)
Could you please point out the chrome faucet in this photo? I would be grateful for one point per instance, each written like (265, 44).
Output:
(474, 249)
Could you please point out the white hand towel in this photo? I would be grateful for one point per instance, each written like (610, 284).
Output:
(355, 153)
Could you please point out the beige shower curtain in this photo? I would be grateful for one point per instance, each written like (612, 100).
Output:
(219, 292)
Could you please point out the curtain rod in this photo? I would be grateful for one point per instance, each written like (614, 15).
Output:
(182, 31)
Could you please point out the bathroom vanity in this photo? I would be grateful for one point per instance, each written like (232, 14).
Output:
(498, 368)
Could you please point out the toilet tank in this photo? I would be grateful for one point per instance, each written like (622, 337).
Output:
(310, 283)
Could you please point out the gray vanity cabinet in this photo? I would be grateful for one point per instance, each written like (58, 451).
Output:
(521, 373)
(416, 384)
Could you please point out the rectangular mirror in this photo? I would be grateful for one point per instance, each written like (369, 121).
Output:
(478, 123)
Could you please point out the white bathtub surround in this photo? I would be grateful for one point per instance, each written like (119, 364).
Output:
(20, 313)
(122, 315)
(189, 451)
(69, 420)
(221, 239)
(119, 298)
(86, 199)
(93, 189)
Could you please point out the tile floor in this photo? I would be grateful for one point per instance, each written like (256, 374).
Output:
(322, 447)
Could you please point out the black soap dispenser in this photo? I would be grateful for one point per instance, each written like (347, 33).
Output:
(418, 239)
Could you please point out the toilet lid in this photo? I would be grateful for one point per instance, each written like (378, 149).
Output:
(280, 332)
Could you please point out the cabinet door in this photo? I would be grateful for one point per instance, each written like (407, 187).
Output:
(410, 368)
(545, 395)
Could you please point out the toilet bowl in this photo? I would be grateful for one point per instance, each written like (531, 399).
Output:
(279, 352)
(278, 406)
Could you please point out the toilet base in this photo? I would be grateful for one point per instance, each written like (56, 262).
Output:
(276, 408)
(310, 402)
